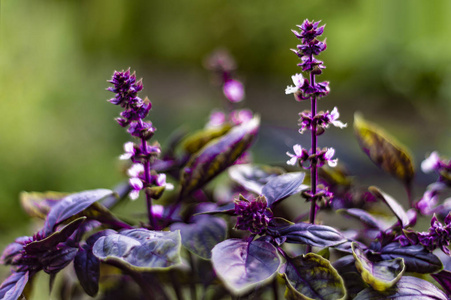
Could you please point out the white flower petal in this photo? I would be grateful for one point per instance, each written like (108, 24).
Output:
(332, 163)
(134, 194)
(429, 163)
(292, 161)
(339, 124)
(297, 149)
(291, 90)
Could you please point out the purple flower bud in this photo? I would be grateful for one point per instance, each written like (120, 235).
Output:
(252, 215)
(233, 90)
(217, 118)
(238, 117)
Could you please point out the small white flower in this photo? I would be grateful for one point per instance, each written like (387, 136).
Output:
(334, 115)
(294, 157)
(137, 185)
(129, 151)
(161, 181)
(135, 170)
(328, 155)
(298, 81)
(430, 164)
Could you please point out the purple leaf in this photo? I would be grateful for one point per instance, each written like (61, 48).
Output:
(305, 233)
(39, 204)
(394, 206)
(444, 278)
(252, 177)
(366, 218)
(72, 205)
(217, 155)
(196, 141)
(140, 249)
(243, 266)
(87, 268)
(58, 259)
(202, 235)
(282, 186)
(416, 257)
(312, 277)
(13, 286)
(408, 287)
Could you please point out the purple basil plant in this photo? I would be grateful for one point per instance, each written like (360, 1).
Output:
(217, 225)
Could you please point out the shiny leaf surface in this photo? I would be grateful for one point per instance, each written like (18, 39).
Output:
(140, 249)
(282, 186)
(253, 177)
(243, 266)
(13, 286)
(394, 206)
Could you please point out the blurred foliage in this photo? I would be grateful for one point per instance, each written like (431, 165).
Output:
(390, 58)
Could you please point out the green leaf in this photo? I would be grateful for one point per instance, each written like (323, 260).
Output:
(384, 150)
(407, 288)
(196, 141)
(243, 266)
(38, 204)
(216, 156)
(379, 275)
(202, 235)
(311, 276)
(140, 249)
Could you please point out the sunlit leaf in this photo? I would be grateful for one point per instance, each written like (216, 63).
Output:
(416, 257)
(243, 266)
(394, 206)
(202, 235)
(196, 141)
(253, 177)
(311, 276)
(384, 150)
(366, 218)
(380, 275)
(282, 186)
(13, 286)
(217, 155)
(140, 249)
(407, 288)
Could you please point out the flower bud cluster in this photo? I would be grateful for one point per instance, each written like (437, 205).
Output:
(252, 215)
(126, 89)
(321, 120)
(307, 159)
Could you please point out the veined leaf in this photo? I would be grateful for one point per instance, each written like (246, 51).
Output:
(243, 266)
(253, 177)
(311, 276)
(87, 268)
(140, 249)
(202, 235)
(444, 278)
(282, 186)
(305, 233)
(217, 155)
(384, 150)
(416, 257)
(380, 275)
(408, 287)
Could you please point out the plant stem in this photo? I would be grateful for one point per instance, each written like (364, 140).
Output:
(146, 164)
(313, 169)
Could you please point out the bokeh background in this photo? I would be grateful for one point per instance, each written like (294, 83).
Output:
(390, 60)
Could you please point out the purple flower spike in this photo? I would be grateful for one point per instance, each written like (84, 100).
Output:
(252, 215)
(233, 90)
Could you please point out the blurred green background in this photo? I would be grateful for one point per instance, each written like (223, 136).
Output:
(389, 59)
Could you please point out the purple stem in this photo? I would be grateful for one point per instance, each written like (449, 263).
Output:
(313, 169)
(146, 164)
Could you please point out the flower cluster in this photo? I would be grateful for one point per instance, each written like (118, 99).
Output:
(438, 236)
(306, 159)
(253, 215)
(442, 167)
(321, 120)
(126, 88)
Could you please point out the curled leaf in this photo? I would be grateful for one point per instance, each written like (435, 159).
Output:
(217, 155)
(195, 142)
(384, 150)
(380, 275)
(408, 287)
(394, 206)
(282, 186)
(243, 266)
(311, 276)
(444, 278)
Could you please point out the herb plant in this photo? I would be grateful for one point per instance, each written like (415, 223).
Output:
(234, 239)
